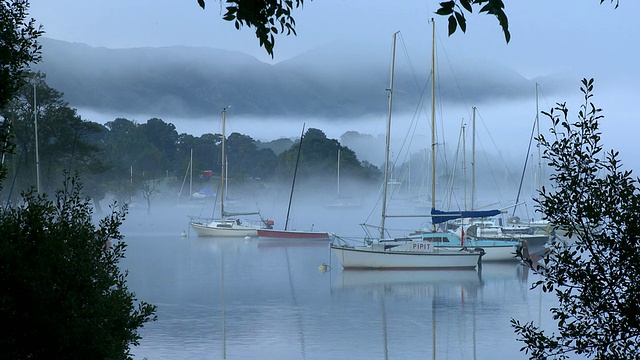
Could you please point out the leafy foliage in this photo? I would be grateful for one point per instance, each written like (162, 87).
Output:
(594, 273)
(65, 140)
(18, 46)
(455, 9)
(269, 17)
(63, 294)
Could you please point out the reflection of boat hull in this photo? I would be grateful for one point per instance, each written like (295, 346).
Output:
(223, 228)
(269, 234)
(366, 257)
(371, 278)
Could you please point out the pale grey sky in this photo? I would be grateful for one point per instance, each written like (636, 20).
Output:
(577, 38)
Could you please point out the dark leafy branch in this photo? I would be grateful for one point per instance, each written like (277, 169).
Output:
(268, 17)
(273, 17)
(455, 9)
(593, 268)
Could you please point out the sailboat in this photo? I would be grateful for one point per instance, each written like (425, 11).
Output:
(286, 234)
(342, 202)
(229, 224)
(502, 248)
(405, 253)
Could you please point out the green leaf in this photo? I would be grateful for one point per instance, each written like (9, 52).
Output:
(462, 22)
(201, 3)
(448, 4)
(466, 4)
(444, 11)
(452, 25)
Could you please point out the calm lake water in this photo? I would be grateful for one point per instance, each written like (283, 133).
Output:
(252, 299)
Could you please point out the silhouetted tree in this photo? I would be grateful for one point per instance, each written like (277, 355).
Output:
(19, 47)
(64, 139)
(594, 274)
(63, 295)
(270, 17)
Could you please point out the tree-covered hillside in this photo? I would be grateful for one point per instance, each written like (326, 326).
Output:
(122, 157)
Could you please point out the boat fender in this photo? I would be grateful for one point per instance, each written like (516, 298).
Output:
(324, 267)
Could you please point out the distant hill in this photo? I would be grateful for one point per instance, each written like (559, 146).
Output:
(181, 81)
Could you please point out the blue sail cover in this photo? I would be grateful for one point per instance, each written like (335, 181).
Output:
(438, 216)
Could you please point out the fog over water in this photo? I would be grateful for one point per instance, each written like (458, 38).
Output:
(255, 299)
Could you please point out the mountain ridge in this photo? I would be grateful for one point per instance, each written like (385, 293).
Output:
(190, 82)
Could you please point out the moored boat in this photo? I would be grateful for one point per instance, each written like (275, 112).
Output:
(383, 253)
(404, 254)
(270, 234)
(229, 224)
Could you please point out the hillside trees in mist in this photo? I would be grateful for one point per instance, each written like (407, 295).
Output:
(20, 48)
(140, 152)
(121, 157)
(65, 141)
(319, 159)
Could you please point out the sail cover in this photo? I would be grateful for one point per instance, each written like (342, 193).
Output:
(439, 216)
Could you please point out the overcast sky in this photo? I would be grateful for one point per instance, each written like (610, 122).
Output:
(577, 38)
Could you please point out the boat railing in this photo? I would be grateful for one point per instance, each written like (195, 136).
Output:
(339, 241)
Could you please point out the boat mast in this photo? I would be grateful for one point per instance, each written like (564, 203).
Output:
(191, 174)
(464, 162)
(223, 164)
(35, 123)
(433, 116)
(539, 150)
(473, 158)
(388, 139)
(295, 172)
(338, 181)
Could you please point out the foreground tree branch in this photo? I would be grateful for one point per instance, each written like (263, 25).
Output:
(594, 262)
(271, 17)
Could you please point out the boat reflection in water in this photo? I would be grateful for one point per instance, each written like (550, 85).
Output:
(431, 313)
(252, 299)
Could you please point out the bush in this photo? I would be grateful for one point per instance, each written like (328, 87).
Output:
(63, 294)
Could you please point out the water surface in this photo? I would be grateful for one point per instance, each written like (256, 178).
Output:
(251, 299)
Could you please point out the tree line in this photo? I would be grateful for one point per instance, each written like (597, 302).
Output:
(124, 158)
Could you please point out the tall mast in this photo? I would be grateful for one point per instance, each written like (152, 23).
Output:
(295, 173)
(539, 150)
(35, 123)
(464, 162)
(223, 173)
(473, 158)
(338, 183)
(388, 139)
(433, 115)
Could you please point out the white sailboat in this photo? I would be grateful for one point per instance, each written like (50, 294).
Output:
(342, 202)
(381, 253)
(496, 248)
(229, 224)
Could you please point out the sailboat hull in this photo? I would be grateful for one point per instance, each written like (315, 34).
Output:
(271, 234)
(494, 252)
(367, 258)
(223, 229)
